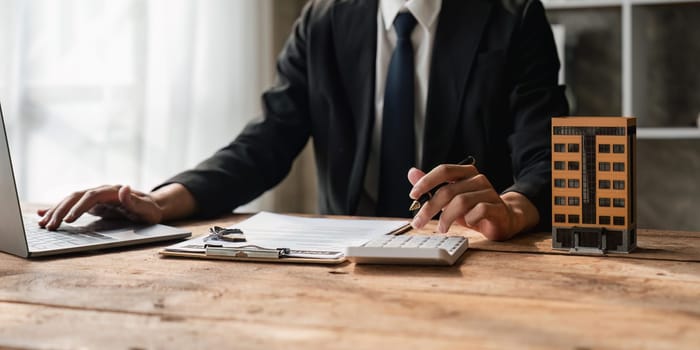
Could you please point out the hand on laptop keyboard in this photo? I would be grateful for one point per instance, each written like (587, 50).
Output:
(106, 201)
(169, 202)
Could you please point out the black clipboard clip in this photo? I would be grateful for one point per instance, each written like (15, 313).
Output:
(247, 251)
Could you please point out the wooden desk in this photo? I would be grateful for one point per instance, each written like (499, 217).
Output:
(501, 295)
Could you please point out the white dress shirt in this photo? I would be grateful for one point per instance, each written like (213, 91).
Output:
(426, 13)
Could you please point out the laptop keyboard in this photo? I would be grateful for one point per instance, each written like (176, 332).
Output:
(66, 237)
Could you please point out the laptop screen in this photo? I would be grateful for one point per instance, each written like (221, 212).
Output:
(12, 237)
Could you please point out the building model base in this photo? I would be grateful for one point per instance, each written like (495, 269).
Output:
(584, 240)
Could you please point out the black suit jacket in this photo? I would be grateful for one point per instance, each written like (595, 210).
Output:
(492, 91)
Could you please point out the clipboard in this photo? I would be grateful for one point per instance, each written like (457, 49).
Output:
(233, 255)
(304, 240)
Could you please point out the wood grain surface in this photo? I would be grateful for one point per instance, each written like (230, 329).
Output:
(515, 294)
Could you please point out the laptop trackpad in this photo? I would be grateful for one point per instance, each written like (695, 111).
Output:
(135, 233)
(109, 229)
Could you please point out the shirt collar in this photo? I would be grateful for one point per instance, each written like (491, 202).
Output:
(425, 11)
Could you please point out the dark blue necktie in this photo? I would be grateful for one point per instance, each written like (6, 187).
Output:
(398, 136)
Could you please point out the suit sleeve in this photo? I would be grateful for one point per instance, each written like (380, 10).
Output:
(261, 156)
(535, 98)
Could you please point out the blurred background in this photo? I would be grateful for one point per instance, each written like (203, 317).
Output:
(134, 91)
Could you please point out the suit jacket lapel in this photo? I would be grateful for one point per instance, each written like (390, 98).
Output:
(459, 32)
(355, 37)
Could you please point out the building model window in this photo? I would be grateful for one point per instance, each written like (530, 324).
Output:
(573, 219)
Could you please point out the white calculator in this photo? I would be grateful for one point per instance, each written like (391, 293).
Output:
(410, 250)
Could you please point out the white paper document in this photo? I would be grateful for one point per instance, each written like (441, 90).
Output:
(317, 238)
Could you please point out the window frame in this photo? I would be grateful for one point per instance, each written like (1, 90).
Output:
(618, 219)
(573, 219)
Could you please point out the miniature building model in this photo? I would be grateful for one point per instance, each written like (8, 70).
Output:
(593, 184)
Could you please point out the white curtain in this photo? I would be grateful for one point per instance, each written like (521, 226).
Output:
(129, 91)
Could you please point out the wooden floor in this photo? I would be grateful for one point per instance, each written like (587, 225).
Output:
(517, 294)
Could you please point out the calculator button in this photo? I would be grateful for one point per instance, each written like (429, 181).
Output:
(451, 244)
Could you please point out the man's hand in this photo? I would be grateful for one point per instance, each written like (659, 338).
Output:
(109, 201)
(470, 200)
(116, 201)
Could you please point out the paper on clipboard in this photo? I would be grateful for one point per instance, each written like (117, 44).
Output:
(312, 238)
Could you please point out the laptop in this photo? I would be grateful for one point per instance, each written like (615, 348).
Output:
(21, 235)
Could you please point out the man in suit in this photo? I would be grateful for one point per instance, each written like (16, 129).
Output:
(385, 88)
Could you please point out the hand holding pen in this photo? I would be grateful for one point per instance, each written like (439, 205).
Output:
(427, 195)
(463, 195)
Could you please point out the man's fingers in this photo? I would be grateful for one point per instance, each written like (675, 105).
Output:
(465, 203)
(484, 211)
(137, 193)
(462, 204)
(446, 194)
(59, 211)
(109, 201)
(415, 174)
(132, 204)
(441, 174)
(91, 198)
(47, 216)
(107, 211)
(138, 206)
